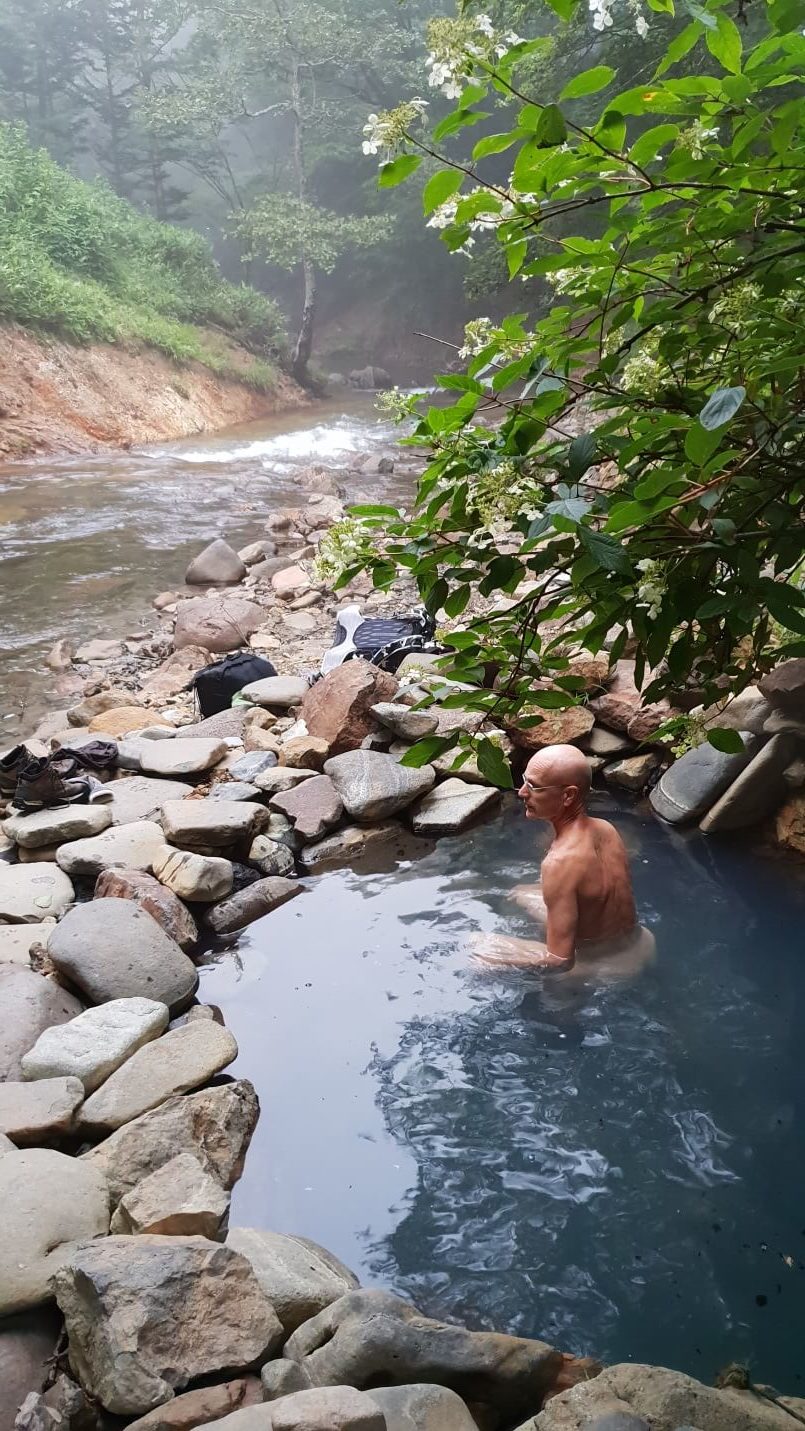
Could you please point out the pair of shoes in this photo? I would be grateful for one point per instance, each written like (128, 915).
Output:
(40, 782)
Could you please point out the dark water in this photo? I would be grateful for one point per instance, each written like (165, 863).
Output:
(618, 1169)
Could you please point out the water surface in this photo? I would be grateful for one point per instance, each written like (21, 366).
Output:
(618, 1170)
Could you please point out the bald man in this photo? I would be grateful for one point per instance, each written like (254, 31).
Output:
(585, 896)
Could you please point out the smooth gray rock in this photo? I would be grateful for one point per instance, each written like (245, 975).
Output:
(320, 1408)
(180, 1199)
(225, 725)
(141, 797)
(91, 1046)
(422, 1408)
(112, 949)
(31, 893)
(234, 790)
(784, 688)
(216, 623)
(283, 777)
(49, 1202)
(215, 824)
(349, 844)
(29, 1004)
(374, 786)
(271, 857)
(749, 710)
(253, 763)
(251, 903)
(135, 846)
(181, 756)
(299, 1277)
(37, 1112)
(313, 808)
(217, 563)
(451, 806)
(278, 692)
(175, 1063)
(198, 878)
(609, 743)
(759, 789)
(54, 827)
(17, 941)
(404, 723)
(694, 782)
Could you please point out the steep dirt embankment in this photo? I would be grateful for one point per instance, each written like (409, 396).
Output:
(55, 397)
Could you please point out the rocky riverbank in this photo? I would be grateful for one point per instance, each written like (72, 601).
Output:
(124, 1291)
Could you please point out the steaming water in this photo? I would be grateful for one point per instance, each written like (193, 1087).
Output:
(616, 1169)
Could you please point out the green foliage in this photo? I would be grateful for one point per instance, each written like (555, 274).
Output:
(77, 261)
(281, 229)
(633, 463)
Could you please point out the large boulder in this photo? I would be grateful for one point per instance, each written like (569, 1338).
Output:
(53, 827)
(31, 893)
(299, 1277)
(135, 846)
(758, 790)
(694, 782)
(141, 797)
(251, 903)
(27, 1344)
(371, 1338)
(374, 786)
(369, 377)
(277, 692)
(120, 1296)
(155, 898)
(211, 824)
(784, 688)
(320, 1408)
(422, 1408)
(38, 1112)
(182, 1059)
(200, 1406)
(181, 756)
(180, 1199)
(621, 708)
(29, 1004)
(314, 807)
(451, 806)
(49, 1202)
(200, 878)
(218, 564)
(111, 949)
(93, 1044)
(749, 710)
(217, 623)
(216, 1125)
(339, 707)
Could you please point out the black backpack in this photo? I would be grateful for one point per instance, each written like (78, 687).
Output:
(215, 686)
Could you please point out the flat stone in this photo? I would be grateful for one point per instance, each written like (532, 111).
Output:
(757, 792)
(374, 786)
(217, 563)
(211, 823)
(277, 692)
(93, 1044)
(225, 725)
(404, 723)
(31, 893)
(181, 756)
(180, 1199)
(568, 727)
(49, 1202)
(17, 941)
(246, 767)
(234, 790)
(271, 857)
(422, 1408)
(251, 903)
(272, 782)
(693, 783)
(215, 1124)
(53, 827)
(134, 846)
(29, 1004)
(217, 623)
(304, 752)
(259, 740)
(111, 949)
(607, 743)
(784, 688)
(348, 844)
(289, 582)
(451, 806)
(313, 808)
(633, 773)
(27, 1344)
(299, 1277)
(175, 1063)
(140, 797)
(86, 710)
(200, 1406)
(121, 720)
(37, 1112)
(339, 707)
(198, 878)
(469, 771)
(99, 650)
(155, 898)
(176, 671)
(118, 1296)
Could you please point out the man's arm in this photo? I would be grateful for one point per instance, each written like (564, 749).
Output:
(560, 892)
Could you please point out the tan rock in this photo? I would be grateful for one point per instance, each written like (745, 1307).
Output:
(790, 824)
(92, 706)
(176, 671)
(567, 727)
(257, 738)
(198, 878)
(95, 1042)
(299, 1277)
(180, 1199)
(49, 1201)
(338, 708)
(122, 719)
(30, 1005)
(219, 623)
(198, 1407)
(291, 581)
(304, 752)
(182, 1059)
(633, 773)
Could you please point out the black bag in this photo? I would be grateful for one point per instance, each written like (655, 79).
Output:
(385, 641)
(215, 686)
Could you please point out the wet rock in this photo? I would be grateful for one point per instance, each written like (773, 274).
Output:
(27, 1342)
(216, 1125)
(758, 790)
(289, 582)
(299, 1277)
(198, 1407)
(368, 1338)
(54, 827)
(181, 756)
(249, 904)
(134, 846)
(374, 786)
(191, 824)
(567, 727)
(60, 656)
(111, 949)
(218, 623)
(158, 901)
(633, 773)
(790, 824)
(339, 707)
(369, 377)
(313, 808)
(694, 782)
(29, 1004)
(38, 1112)
(176, 671)
(256, 552)
(39, 1229)
(119, 1295)
(91, 706)
(271, 857)
(271, 782)
(277, 692)
(404, 723)
(93, 1044)
(784, 688)
(607, 743)
(218, 564)
(175, 1063)
(198, 878)
(29, 894)
(451, 806)
(347, 845)
(99, 651)
(180, 1199)
(422, 1408)
(304, 752)
(246, 767)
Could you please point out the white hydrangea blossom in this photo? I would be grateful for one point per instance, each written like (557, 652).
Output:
(477, 334)
(387, 130)
(601, 11)
(736, 307)
(695, 138)
(651, 589)
(453, 44)
(443, 216)
(346, 544)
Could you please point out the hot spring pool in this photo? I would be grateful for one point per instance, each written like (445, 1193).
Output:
(616, 1169)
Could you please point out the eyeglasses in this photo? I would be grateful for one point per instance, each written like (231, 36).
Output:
(536, 789)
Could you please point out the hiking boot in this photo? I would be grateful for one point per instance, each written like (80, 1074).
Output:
(41, 786)
(10, 767)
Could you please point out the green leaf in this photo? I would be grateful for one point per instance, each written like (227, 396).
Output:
(516, 253)
(611, 130)
(394, 171)
(581, 454)
(680, 46)
(428, 749)
(701, 443)
(440, 186)
(724, 43)
(608, 553)
(727, 741)
(551, 129)
(720, 407)
(457, 600)
(493, 764)
(459, 119)
(648, 146)
(698, 12)
(715, 606)
(495, 144)
(565, 9)
(589, 82)
(373, 511)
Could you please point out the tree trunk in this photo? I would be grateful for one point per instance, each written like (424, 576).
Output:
(304, 339)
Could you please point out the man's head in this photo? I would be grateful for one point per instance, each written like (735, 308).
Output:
(556, 783)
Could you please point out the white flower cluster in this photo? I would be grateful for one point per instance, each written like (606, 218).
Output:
(454, 43)
(566, 280)
(695, 139)
(651, 590)
(644, 373)
(346, 544)
(477, 334)
(601, 11)
(397, 405)
(500, 494)
(736, 307)
(387, 130)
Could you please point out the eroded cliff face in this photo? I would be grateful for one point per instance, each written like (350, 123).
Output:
(55, 397)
